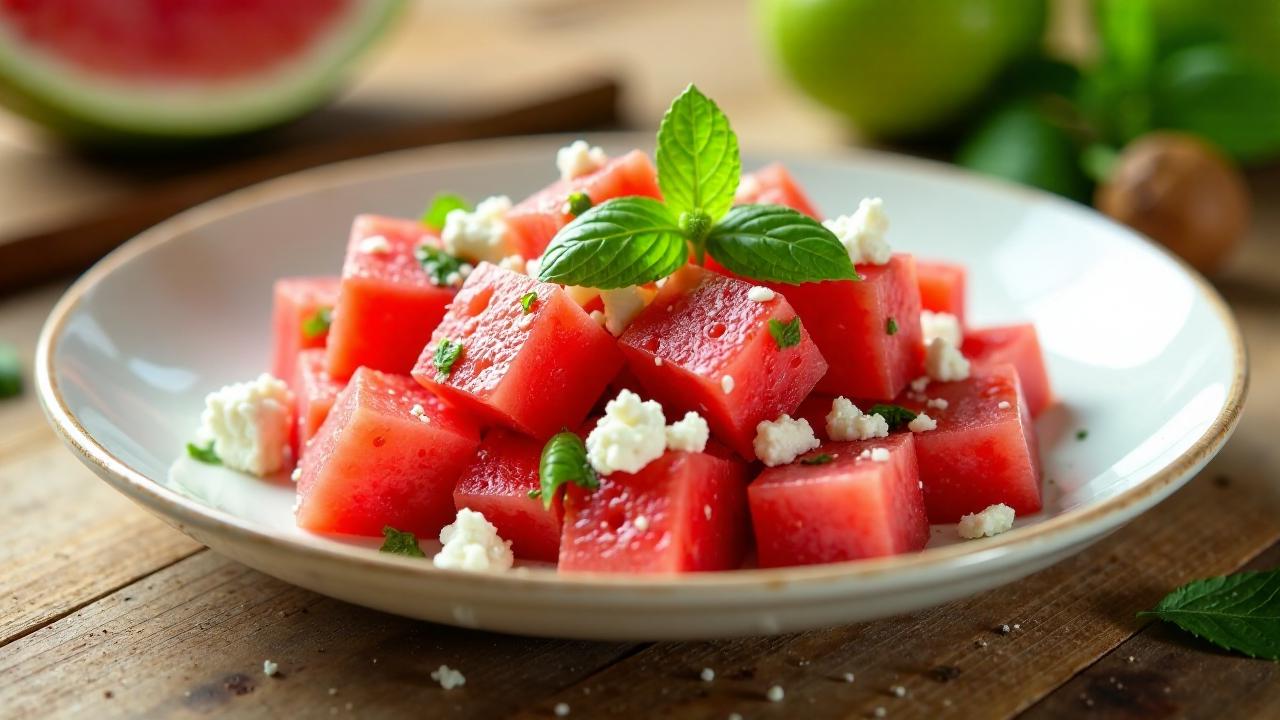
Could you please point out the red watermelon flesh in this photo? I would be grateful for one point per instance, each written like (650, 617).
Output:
(1017, 345)
(387, 304)
(849, 321)
(375, 462)
(498, 483)
(850, 508)
(535, 372)
(942, 287)
(298, 315)
(981, 454)
(314, 391)
(535, 220)
(773, 185)
(684, 512)
(704, 329)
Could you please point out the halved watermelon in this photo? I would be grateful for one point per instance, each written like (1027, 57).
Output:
(497, 484)
(102, 69)
(773, 185)
(300, 317)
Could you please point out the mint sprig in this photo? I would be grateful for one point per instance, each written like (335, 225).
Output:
(1238, 612)
(633, 240)
(204, 453)
(895, 416)
(441, 205)
(441, 267)
(446, 354)
(400, 543)
(564, 460)
(786, 334)
(317, 323)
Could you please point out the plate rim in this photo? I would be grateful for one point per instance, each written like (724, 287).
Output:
(182, 511)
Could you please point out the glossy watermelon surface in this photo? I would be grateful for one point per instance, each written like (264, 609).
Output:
(314, 392)
(299, 308)
(773, 185)
(942, 287)
(498, 483)
(1017, 345)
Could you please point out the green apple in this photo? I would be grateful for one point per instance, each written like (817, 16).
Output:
(898, 68)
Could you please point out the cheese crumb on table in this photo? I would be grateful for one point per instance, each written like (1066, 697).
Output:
(994, 520)
(472, 543)
(632, 433)
(760, 293)
(862, 233)
(562, 710)
(781, 441)
(688, 434)
(707, 675)
(941, 325)
(944, 362)
(922, 423)
(846, 422)
(480, 234)
(249, 424)
(578, 158)
(775, 694)
(269, 668)
(448, 677)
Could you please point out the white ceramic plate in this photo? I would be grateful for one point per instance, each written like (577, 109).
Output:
(1142, 350)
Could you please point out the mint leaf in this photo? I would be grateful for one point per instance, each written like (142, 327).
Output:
(891, 327)
(819, 459)
(625, 241)
(446, 354)
(441, 205)
(10, 371)
(786, 334)
(527, 300)
(895, 415)
(564, 460)
(771, 242)
(1238, 612)
(577, 203)
(698, 160)
(1081, 434)
(204, 453)
(440, 266)
(317, 323)
(400, 543)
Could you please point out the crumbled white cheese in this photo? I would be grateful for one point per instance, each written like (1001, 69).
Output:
(862, 233)
(480, 234)
(621, 306)
(994, 520)
(898, 691)
(922, 423)
(707, 675)
(420, 412)
(641, 522)
(781, 441)
(688, 434)
(249, 424)
(941, 325)
(562, 709)
(920, 383)
(775, 694)
(514, 263)
(581, 295)
(631, 434)
(657, 361)
(944, 362)
(598, 317)
(760, 294)
(1004, 405)
(375, 245)
(448, 677)
(296, 475)
(879, 454)
(846, 422)
(578, 158)
(269, 668)
(938, 403)
(472, 543)
(848, 677)
(726, 384)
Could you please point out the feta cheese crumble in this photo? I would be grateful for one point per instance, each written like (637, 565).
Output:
(641, 522)
(631, 434)
(726, 384)
(448, 677)
(781, 441)
(846, 422)
(938, 403)
(688, 434)
(657, 361)
(296, 475)
(922, 423)
(375, 245)
(471, 543)
(1004, 405)
(269, 668)
(920, 383)
(514, 263)
(775, 694)
(480, 234)
(941, 325)
(760, 294)
(248, 424)
(621, 306)
(707, 675)
(562, 710)
(994, 520)
(944, 362)
(420, 412)
(862, 233)
(598, 317)
(880, 454)
(578, 158)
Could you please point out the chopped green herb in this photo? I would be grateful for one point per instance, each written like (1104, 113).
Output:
(204, 453)
(10, 371)
(441, 205)
(527, 300)
(1238, 612)
(440, 266)
(819, 459)
(1081, 434)
(891, 326)
(447, 353)
(895, 415)
(318, 322)
(564, 460)
(578, 203)
(786, 334)
(400, 543)
(535, 493)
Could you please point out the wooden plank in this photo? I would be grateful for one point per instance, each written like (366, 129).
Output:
(191, 640)
(1164, 672)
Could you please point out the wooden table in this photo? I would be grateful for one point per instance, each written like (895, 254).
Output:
(105, 611)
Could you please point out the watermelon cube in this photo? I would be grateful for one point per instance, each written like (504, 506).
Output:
(773, 185)
(684, 512)
(300, 318)
(536, 371)
(389, 453)
(387, 305)
(498, 484)
(984, 450)
(864, 502)
(850, 322)
(1017, 345)
(314, 392)
(942, 287)
(535, 220)
(703, 345)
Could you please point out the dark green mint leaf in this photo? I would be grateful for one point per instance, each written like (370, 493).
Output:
(318, 322)
(891, 326)
(400, 543)
(819, 459)
(895, 415)
(440, 266)
(1081, 434)
(447, 353)
(698, 160)
(771, 242)
(527, 300)
(577, 203)
(622, 242)
(786, 334)
(441, 205)
(204, 453)
(10, 371)
(564, 460)
(1238, 612)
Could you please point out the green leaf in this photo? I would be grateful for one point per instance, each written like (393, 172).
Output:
(1081, 434)
(400, 543)
(891, 327)
(622, 242)
(786, 334)
(527, 300)
(775, 243)
(1020, 142)
(819, 459)
(895, 415)
(577, 203)
(698, 160)
(204, 453)
(441, 205)
(564, 460)
(318, 322)
(439, 265)
(10, 371)
(446, 354)
(1238, 612)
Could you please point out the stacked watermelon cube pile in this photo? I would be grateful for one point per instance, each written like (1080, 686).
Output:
(420, 393)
